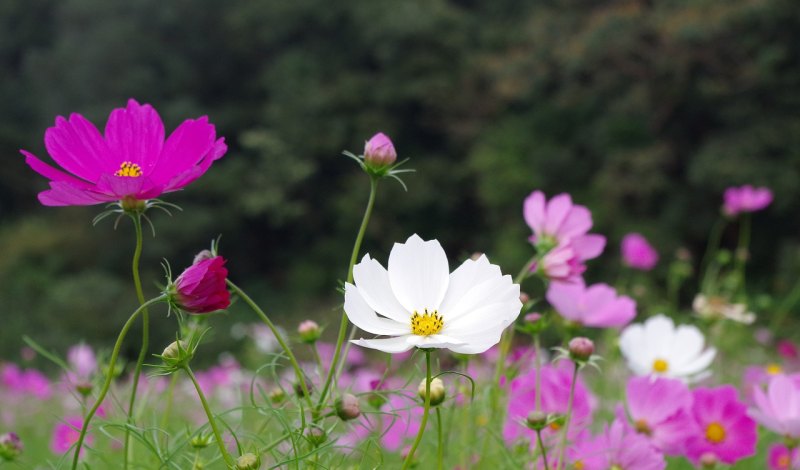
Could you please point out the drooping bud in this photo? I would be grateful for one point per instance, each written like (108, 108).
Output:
(379, 151)
(309, 331)
(201, 287)
(298, 389)
(248, 461)
(437, 391)
(10, 446)
(536, 420)
(581, 349)
(347, 407)
(277, 395)
(177, 354)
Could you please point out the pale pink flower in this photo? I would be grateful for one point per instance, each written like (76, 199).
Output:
(781, 457)
(779, 408)
(617, 448)
(596, 306)
(659, 409)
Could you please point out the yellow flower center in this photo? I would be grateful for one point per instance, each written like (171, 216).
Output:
(774, 369)
(426, 324)
(660, 366)
(129, 169)
(715, 433)
(554, 426)
(642, 427)
(578, 465)
(784, 461)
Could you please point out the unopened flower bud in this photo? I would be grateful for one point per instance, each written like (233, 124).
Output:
(200, 441)
(176, 354)
(84, 388)
(524, 298)
(475, 256)
(316, 435)
(581, 349)
(536, 420)
(347, 407)
(708, 460)
(248, 461)
(202, 256)
(298, 389)
(277, 395)
(10, 446)
(379, 151)
(437, 391)
(533, 317)
(309, 331)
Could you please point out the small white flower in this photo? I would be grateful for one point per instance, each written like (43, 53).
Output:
(717, 307)
(419, 303)
(658, 348)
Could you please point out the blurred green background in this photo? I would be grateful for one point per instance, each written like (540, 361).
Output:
(644, 111)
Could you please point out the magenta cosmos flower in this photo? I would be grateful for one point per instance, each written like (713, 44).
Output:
(560, 234)
(201, 287)
(779, 409)
(132, 160)
(746, 199)
(617, 448)
(66, 434)
(638, 253)
(596, 306)
(659, 409)
(723, 427)
(781, 457)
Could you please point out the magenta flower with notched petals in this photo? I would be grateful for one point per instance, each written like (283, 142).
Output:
(596, 306)
(746, 199)
(638, 253)
(781, 457)
(659, 408)
(617, 447)
(723, 427)
(132, 161)
(201, 288)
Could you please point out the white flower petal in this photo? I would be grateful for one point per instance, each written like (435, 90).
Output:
(464, 280)
(483, 320)
(687, 344)
(419, 273)
(362, 315)
(394, 345)
(697, 365)
(373, 284)
(658, 332)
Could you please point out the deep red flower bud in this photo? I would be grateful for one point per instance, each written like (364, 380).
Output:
(201, 287)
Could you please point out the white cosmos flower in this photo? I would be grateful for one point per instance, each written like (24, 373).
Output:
(420, 303)
(658, 348)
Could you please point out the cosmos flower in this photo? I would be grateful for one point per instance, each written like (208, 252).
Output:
(746, 199)
(618, 448)
(596, 306)
(66, 434)
(420, 304)
(724, 429)
(132, 161)
(658, 408)
(779, 408)
(657, 347)
(780, 457)
(638, 253)
(201, 288)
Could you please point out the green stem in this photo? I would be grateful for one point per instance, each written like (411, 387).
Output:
(211, 421)
(440, 452)
(425, 412)
(373, 190)
(742, 253)
(109, 376)
(286, 349)
(708, 265)
(786, 306)
(168, 407)
(563, 445)
(137, 253)
(542, 450)
(318, 359)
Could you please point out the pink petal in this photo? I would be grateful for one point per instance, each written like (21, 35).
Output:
(557, 211)
(77, 146)
(577, 223)
(51, 173)
(135, 134)
(184, 148)
(188, 176)
(534, 211)
(141, 187)
(566, 299)
(589, 246)
(65, 194)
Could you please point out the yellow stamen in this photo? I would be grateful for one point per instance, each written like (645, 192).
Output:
(578, 465)
(129, 169)
(554, 426)
(784, 461)
(642, 427)
(426, 324)
(774, 369)
(660, 366)
(715, 433)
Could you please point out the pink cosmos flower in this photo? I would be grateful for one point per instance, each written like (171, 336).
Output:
(66, 434)
(596, 306)
(82, 361)
(746, 199)
(659, 409)
(723, 427)
(560, 234)
(617, 448)
(201, 287)
(638, 253)
(779, 409)
(781, 457)
(132, 161)
(555, 385)
(25, 382)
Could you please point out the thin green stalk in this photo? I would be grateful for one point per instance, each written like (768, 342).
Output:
(742, 253)
(542, 449)
(211, 421)
(373, 190)
(137, 253)
(786, 306)
(563, 446)
(109, 376)
(318, 359)
(710, 256)
(425, 412)
(286, 349)
(170, 395)
(440, 440)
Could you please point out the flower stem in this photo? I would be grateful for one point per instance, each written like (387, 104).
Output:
(440, 442)
(228, 459)
(137, 253)
(286, 349)
(542, 450)
(563, 446)
(710, 256)
(373, 190)
(425, 412)
(742, 254)
(109, 376)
